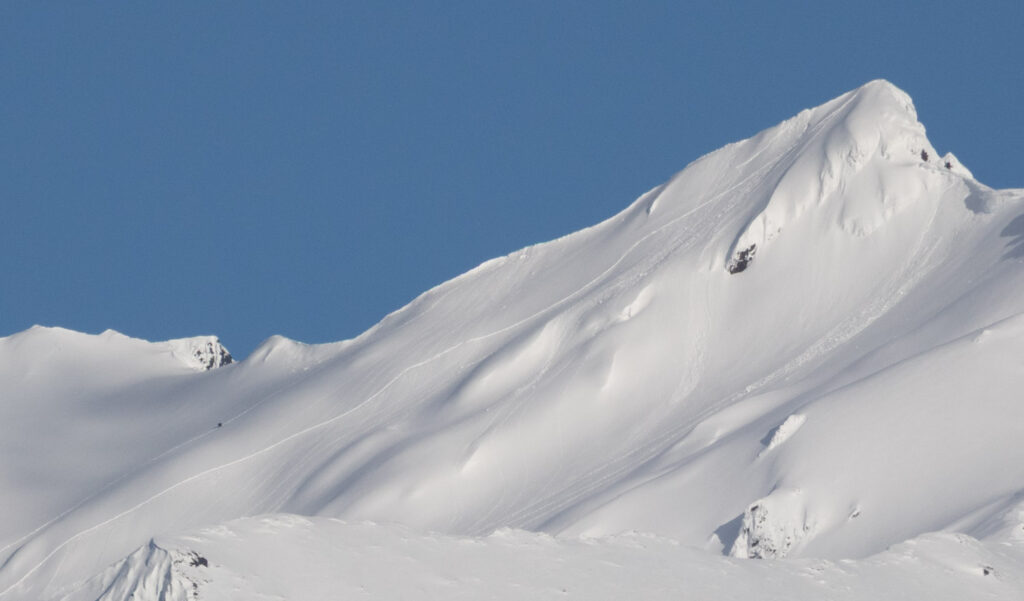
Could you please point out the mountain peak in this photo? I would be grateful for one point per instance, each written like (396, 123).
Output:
(879, 106)
(852, 163)
(885, 90)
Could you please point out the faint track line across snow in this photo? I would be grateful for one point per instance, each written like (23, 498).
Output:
(651, 449)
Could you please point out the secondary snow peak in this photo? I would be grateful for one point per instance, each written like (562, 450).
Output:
(202, 353)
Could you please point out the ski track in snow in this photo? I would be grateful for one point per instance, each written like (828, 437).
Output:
(138, 470)
(595, 480)
(532, 513)
(554, 306)
(646, 455)
(838, 335)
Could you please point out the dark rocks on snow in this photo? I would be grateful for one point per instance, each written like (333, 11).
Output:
(742, 259)
(211, 355)
(924, 156)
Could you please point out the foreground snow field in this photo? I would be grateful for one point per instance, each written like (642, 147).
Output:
(806, 345)
(291, 557)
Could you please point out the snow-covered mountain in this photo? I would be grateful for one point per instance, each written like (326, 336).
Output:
(808, 344)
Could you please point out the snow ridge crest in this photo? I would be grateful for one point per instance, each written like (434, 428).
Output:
(854, 162)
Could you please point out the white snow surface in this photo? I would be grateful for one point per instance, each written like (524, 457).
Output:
(856, 385)
(293, 557)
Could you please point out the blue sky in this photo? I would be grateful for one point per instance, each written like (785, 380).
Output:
(253, 168)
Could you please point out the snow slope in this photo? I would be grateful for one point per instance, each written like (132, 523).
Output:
(805, 344)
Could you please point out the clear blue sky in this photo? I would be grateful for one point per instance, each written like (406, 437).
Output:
(254, 168)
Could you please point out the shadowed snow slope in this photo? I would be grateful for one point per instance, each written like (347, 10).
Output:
(805, 344)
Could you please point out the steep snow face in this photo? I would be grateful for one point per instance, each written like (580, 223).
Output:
(855, 170)
(834, 396)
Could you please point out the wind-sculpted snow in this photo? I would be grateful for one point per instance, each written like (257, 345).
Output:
(853, 386)
(151, 572)
(291, 557)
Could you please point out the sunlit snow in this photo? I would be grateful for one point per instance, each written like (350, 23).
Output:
(620, 412)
